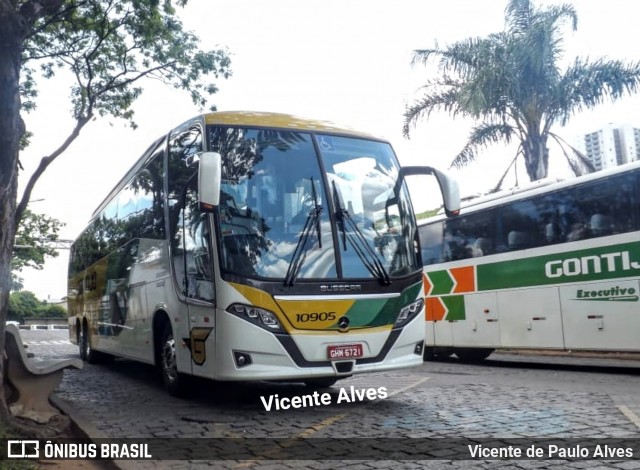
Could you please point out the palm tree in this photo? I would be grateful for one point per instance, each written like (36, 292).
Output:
(511, 84)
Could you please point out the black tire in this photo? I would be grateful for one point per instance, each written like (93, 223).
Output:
(324, 382)
(87, 353)
(174, 382)
(84, 343)
(429, 354)
(473, 354)
(436, 354)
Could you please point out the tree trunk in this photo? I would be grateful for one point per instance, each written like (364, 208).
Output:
(536, 157)
(11, 130)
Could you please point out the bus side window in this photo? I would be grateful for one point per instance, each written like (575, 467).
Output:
(481, 247)
(602, 225)
(431, 243)
(519, 240)
(195, 235)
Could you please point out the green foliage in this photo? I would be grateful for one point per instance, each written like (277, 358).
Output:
(51, 311)
(428, 213)
(109, 46)
(33, 240)
(511, 82)
(25, 304)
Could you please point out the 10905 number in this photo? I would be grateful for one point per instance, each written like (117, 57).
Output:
(315, 316)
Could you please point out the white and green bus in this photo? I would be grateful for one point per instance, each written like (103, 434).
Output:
(255, 246)
(552, 266)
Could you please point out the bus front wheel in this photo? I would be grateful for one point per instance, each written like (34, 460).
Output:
(174, 381)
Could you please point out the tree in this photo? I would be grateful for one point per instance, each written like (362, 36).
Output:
(108, 47)
(34, 239)
(48, 310)
(23, 304)
(512, 83)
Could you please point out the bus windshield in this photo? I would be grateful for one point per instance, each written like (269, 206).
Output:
(276, 206)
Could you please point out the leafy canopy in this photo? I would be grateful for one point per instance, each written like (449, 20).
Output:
(109, 46)
(34, 240)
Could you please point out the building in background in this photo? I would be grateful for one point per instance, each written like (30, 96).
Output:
(613, 145)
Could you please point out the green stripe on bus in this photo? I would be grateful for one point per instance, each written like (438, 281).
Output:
(455, 307)
(442, 282)
(608, 262)
(387, 309)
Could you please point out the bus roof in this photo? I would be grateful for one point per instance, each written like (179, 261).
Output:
(249, 119)
(533, 189)
(278, 120)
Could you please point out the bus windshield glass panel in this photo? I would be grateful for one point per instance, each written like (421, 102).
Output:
(276, 207)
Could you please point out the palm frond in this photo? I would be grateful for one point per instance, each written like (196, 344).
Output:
(578, 161)
(519, 15)
(504, 175)
(482, 135)
(446, 101)
(585, 85)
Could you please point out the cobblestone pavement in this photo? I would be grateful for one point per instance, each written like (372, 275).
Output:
(492, 403)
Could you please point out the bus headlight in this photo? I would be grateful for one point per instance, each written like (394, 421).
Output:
(258, 316)
(408, 312)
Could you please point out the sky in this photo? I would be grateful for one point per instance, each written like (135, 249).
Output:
(347, 61)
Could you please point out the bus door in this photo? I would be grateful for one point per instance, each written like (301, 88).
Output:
(193, 265)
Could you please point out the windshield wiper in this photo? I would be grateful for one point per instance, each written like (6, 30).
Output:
(351, 232)
(300, 253)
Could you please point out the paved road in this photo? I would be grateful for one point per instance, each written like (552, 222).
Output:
(526, 398)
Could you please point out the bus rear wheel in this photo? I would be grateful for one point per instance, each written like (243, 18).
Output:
(174, 382)
(87, 353)
(437, 354)
(473, 354)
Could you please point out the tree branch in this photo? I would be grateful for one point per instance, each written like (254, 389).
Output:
(44, 163)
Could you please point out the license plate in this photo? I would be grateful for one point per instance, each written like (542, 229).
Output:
(344, 351)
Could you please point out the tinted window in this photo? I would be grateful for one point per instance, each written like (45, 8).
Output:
(590, 210)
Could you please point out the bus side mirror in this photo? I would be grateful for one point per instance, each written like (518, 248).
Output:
(450, 192)
(209, 179)
(448, 186)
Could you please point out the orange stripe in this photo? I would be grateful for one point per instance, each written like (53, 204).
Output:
(464, 278)
(434, 310)
(427, 284)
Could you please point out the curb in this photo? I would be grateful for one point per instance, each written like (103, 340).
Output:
(87, 430)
